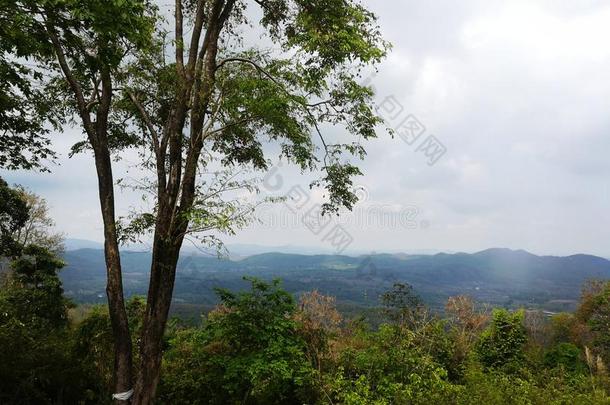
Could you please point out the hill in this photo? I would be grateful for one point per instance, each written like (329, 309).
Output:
(510, 278)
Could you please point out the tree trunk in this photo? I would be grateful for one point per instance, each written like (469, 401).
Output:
(114, 277)
(172, 224)
(162, 277)
(114, 283)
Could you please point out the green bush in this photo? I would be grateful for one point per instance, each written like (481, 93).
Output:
(566, 355)
(502, 344)
(388, 367)
(247, 352)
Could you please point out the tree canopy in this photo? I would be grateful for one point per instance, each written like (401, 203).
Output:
(214, 91)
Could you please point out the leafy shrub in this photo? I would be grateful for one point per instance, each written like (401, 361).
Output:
(387, 367)
(247, 352)
(501, 345)
(566, 355)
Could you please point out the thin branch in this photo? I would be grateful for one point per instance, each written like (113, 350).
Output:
(146, 118)
(179, 38)
(251, 62)
(63, 63)
(227, 126)
(270, 77)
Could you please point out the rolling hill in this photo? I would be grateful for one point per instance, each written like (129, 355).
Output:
(510, 278)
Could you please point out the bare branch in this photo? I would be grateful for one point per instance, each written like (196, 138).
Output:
(146, 118)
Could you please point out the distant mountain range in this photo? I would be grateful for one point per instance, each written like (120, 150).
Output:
(235, 250)
(511, 278)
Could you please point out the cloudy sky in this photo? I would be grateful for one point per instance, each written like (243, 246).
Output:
(517, 93)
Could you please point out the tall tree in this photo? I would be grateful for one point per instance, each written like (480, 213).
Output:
(213, 99)
(85, 43)
(403, 306)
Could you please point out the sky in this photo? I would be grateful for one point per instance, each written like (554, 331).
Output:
(514, 98)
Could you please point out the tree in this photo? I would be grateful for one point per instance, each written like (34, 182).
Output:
(466, 322)
(502, 343)
(318, 321)
(385, 367)
(36, 364)
(216, 98)
(13, 216)
(464, 315)
(403, 306)
(248, 352)
(594, 312)
(35, 287)
(85, 42)
(566, 355)
(37, 230)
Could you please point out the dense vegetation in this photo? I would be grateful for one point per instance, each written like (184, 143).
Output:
(259, 346)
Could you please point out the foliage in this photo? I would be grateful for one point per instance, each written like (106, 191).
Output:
(36, 358)
(248, 351)
(549, 387)
(13, 216)
(466, 323)
(387, 367)
(566, 355)
(256, 348)
(501, 345)
(26, 110)
(34, 289)
(318, 321)
(594, 311)
(38, 229)
(93, 346)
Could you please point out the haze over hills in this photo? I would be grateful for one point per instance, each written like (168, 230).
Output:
(505, 277)
(240, 250)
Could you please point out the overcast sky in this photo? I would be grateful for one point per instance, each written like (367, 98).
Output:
(517, 92)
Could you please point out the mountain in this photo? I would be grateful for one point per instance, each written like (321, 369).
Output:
(504, 277)
(75, 244)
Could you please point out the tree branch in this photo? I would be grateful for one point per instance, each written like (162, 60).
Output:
(146, 118)
(270, 77)
(179, 38)
(65, 67)
(194, 48)
(295, 98)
